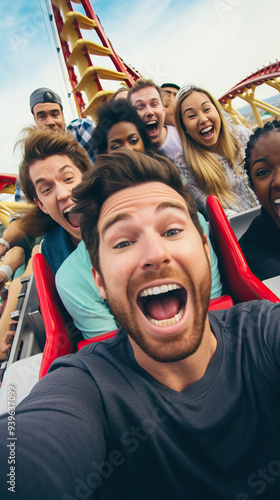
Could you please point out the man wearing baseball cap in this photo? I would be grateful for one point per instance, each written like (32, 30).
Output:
(46, 107)
(169, 91)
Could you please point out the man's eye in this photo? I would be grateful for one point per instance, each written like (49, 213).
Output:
(173, 232)
(45, 190)
(123, 244)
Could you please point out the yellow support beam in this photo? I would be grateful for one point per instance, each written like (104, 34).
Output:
(93, 48)
(84, 22)
(97, 99)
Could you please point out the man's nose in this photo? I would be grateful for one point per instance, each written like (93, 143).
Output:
(50, 122)
(155, 252)
(63, 191)
(149, 111)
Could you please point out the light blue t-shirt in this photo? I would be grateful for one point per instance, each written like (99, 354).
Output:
(216, 287)
(81, 298)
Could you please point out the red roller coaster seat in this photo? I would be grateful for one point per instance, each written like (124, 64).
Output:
(57, 322)
(7, 180)
(242, 284)
(61, 334)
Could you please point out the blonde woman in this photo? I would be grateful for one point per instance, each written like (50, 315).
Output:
(213, 152)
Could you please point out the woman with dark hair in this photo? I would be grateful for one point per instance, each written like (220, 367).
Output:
(261, 242)
(119, 125)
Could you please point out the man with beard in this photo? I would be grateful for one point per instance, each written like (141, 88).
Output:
(181, 403)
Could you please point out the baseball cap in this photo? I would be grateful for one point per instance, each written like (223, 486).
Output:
(172, 85)
(44, 95)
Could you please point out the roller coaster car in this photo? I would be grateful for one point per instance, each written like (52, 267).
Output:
(240, 283)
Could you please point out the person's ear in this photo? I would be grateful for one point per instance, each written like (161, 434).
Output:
(99, 283)
(40, 205)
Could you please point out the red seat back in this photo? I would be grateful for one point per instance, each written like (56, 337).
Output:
(242, 284)
(58, 324)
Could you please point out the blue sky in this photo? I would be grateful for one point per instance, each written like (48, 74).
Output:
(211, 43)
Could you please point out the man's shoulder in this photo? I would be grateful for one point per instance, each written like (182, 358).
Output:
(74, 265)
(82, 130)
(172, 144)
(95, 355)
(82, 123)
(251, 321)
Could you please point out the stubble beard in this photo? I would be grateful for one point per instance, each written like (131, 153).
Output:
(168, 348)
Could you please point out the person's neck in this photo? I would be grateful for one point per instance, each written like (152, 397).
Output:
(218, 149)
(180, 374)
(75, 242)
(163, 136)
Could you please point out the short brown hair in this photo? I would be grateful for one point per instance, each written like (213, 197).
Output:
(114, 172)
(38, 144)
(41, 142)
(143, 83)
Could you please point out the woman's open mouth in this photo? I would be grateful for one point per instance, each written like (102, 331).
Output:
(163, 305)
(207, 132)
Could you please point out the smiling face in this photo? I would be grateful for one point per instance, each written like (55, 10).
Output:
(124, 135)
(201, 119)
(155, 270)
(150, 109)
(265, 173)
(49, 114)
(54, 178)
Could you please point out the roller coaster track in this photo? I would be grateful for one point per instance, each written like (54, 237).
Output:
(77, 52)
(268, 75)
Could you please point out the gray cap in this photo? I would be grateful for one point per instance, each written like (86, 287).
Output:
(44, 95)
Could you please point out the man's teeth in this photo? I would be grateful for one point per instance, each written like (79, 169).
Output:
(167, 322)
(66, 212)
(156, 290)
(205, 130)
(153, 122)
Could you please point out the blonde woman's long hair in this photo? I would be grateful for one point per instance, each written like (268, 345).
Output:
(205, 166)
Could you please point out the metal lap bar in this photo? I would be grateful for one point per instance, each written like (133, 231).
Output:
(30, 334)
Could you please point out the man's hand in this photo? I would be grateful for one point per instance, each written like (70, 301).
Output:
(3, 279)
(6, 346)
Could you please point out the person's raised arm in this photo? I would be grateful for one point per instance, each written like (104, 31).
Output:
(11, 236)
(60, 429)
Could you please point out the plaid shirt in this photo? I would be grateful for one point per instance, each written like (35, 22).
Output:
(81, 129)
